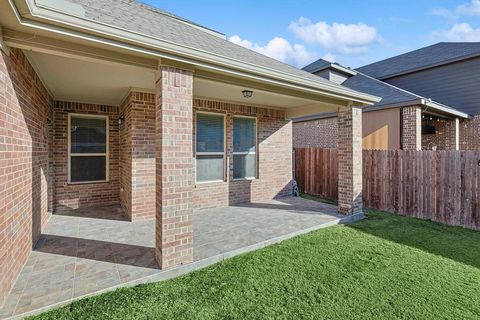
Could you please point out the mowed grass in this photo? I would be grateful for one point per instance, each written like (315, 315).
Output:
(384, 267)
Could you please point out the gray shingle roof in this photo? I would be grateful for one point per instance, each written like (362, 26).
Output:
(389, 94)
(440, 53)
(317, 65)
(147, 20)
(363, 83)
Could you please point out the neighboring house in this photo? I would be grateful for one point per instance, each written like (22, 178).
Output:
(105, 102)
(430, 100)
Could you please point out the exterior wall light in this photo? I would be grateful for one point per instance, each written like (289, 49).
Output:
(247, 93)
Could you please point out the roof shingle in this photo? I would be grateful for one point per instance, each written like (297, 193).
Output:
(141, 18)
(440, 53)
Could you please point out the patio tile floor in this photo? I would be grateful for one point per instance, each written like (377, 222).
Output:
(94, 249)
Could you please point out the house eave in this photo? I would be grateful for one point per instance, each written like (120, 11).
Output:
(419, 102)
(47, 19)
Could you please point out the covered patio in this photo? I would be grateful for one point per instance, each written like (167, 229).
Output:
(87, 251)
(140, 162)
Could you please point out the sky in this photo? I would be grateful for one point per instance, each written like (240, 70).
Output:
(352, 33)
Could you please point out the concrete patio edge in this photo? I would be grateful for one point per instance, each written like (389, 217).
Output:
(197, 265)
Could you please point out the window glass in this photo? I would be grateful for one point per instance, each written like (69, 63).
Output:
(88, 148)
(244, 166)
(244, 148)
(88, 135)
(210, 147)
(210, 128)
(209, 167)
(87, 168)
(244, 135)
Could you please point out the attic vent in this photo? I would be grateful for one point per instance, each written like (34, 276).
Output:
(62, 6)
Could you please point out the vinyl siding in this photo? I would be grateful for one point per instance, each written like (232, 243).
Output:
(331, 75)
(456, 85)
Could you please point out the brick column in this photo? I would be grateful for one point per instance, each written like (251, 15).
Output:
(411, 128)
(457, 133)
(174, 166)
(137, 155)
(350, 161)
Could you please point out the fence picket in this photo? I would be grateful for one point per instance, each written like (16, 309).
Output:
(443, 186)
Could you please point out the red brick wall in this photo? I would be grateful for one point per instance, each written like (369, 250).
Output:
(25, 111)
(137, 155)
(72, 196)
(350, 160)
(470, 134)
(174, 162)
(444, 137)
(321, 133)
(274, 158)
(411, 137)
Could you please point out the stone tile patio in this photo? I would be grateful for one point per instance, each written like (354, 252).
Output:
(92, 250)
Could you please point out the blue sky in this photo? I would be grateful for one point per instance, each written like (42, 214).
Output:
(353, 33)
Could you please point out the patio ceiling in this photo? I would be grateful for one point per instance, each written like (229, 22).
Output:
(82, 80)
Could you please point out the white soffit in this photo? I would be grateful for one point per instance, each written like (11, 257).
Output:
(227, 92)
(85, 81)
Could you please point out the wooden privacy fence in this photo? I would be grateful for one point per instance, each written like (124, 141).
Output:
(442, 186)
(316, 171)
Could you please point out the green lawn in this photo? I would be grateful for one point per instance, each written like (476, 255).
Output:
(384, 267)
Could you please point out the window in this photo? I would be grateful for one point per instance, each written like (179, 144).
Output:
(88, 148)
(244, 148)
(210, 147)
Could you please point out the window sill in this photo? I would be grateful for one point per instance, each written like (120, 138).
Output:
(86, 182)
(245, 179)
(202, 183)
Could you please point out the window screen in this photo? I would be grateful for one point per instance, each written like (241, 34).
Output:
(88, 135)
(91, 168)
(88, 148)
(244, 148)
(210, 147)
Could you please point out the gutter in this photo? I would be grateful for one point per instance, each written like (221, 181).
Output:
(420, 101)
(444, 108)
(187, 54)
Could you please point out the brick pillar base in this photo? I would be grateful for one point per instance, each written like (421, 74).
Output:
(411, 128)
(350, 161)
(174, 167)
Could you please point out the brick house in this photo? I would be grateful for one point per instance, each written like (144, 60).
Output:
(108, 101)
(429, 100)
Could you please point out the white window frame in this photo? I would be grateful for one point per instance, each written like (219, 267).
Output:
(70, 154)
(245, 153)
(224, 153)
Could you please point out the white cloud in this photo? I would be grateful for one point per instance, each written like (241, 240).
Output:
(459, 32)
(471, 8)
(280, 49)
(337, 37)
(442, 12)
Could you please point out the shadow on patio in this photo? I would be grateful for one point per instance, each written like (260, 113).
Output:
(81, 255)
